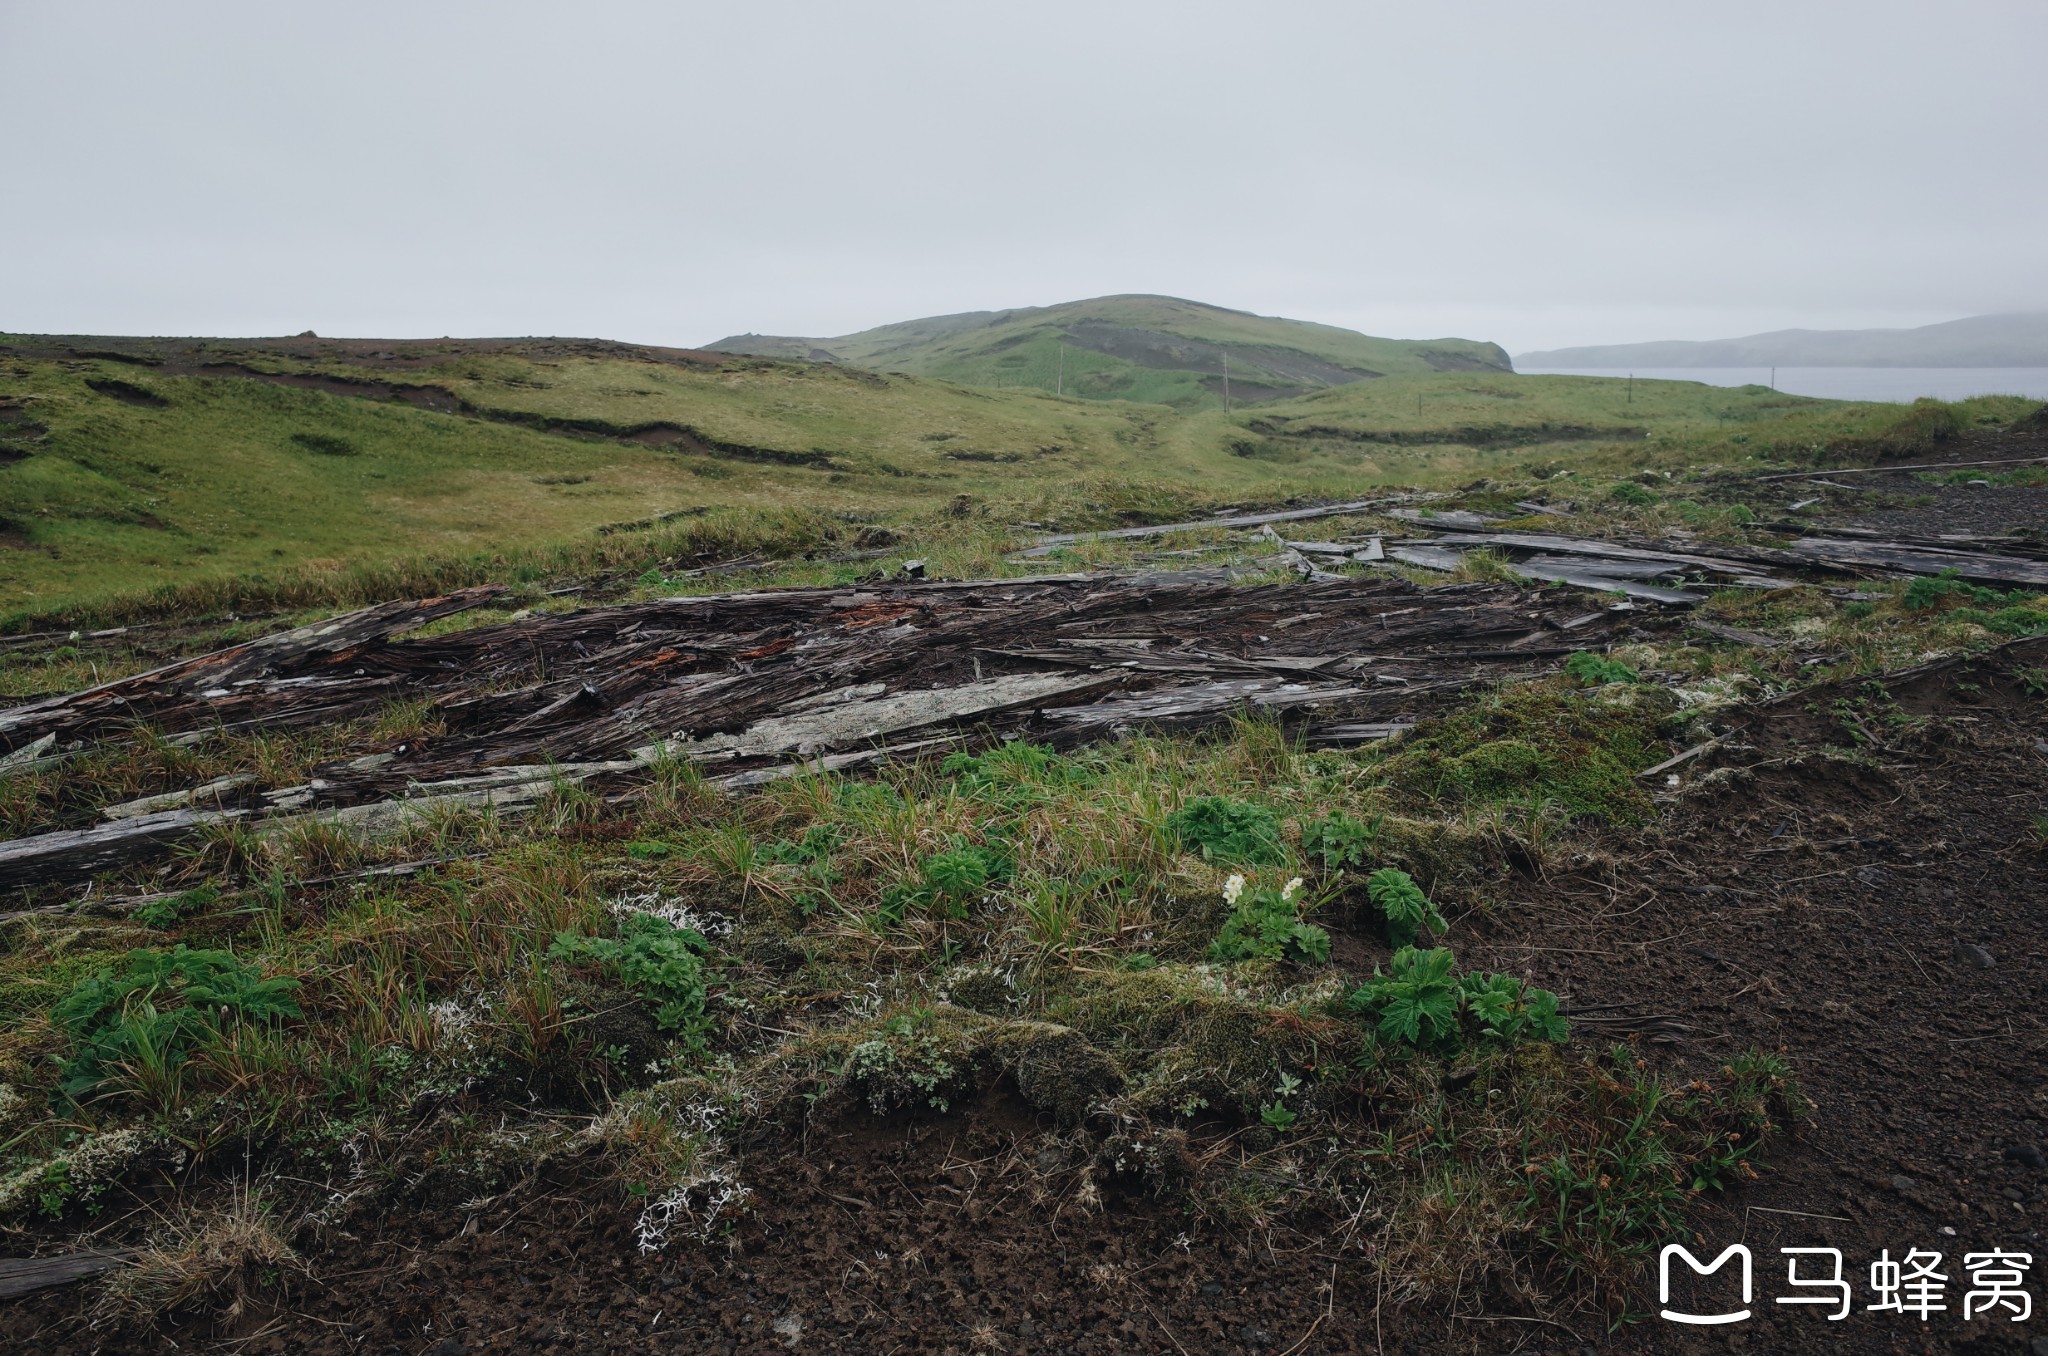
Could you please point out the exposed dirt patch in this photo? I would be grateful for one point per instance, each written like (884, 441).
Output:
(1978, 510)
(128, 393)
(1872, 909)
(390, 354)
(659, 433)
(17, 427)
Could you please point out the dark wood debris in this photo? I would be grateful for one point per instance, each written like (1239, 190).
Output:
(753, 685)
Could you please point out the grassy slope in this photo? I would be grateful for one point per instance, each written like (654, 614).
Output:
(114, 499)
(1024, 348)
(450, 990)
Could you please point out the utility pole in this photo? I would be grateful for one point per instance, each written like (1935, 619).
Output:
(1774, 378)
(1060, 387)
(1226, 381)
(1631, 388)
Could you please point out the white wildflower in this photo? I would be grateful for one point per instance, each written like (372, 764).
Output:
(1287, 891)
(1232, 888)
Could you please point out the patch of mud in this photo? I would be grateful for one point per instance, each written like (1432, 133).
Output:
(982, 1230)
(389, 354)
(128, 393)
(663, 434)
(1856, 882)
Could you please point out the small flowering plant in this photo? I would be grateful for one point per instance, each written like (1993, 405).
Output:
(1266, 924)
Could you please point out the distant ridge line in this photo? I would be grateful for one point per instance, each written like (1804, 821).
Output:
(2009, 339)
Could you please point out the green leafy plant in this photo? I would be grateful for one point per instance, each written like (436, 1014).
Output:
(1402, 906)
(661, 963)
(1596, 670)
(1933, 591)
(1226, 830)
(1508, 1010)
(166, 913)
(1628, 492)
(1266, 924)
(1276, 1113)
(157, 1007)
(1422, 1003)
(1418, 1002)
(947, 882)
(1340, 840)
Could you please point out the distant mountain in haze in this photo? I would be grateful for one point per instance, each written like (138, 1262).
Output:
(2019, 339)
(1159, 349)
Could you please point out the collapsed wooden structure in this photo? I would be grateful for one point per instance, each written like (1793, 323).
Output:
(755, 685)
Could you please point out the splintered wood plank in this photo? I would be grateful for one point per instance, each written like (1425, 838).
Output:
(24, 1275)
(1973, 565)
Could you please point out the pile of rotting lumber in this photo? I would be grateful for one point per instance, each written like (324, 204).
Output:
(754, 685)
(1670, 572)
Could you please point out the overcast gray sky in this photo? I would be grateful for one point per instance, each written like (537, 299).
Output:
(1535, 174)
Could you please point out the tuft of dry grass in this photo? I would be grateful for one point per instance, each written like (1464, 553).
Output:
(218, 1262)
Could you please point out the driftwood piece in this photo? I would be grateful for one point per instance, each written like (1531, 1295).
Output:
(1733, 562)
(1045, 546)
(25, 1275)
(1918, 466)
(1453, 520)
(1593, 579)
(1924, 560)
(152, 695)
(77, 853)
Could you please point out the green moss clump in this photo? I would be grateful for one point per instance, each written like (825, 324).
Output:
(1542, 742)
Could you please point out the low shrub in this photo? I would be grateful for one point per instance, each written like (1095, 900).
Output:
(661, 963)
(1226, 830)
(148, 1015)
(1423, 1005)
(1266, 924)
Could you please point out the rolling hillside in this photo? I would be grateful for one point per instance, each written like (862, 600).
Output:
(2015, 340)
(1158, 349)
(329, 471)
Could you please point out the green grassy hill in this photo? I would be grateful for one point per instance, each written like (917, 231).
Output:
(1157, 349)
(323, 472)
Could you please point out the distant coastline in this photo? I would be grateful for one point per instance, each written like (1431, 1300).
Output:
(1897, 384)
(2014, 340)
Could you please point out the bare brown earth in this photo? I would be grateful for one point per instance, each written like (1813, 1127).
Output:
(1854, 878)
(1811, 894)
(1813, 890)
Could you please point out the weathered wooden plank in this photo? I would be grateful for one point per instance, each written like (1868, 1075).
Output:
(74, 854)
(25, 1275)
(1924, 560)
(142, 696)
(1917, 466)
(1045, 546)
(1589, 579)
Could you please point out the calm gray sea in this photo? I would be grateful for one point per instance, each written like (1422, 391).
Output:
(1844, 383)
